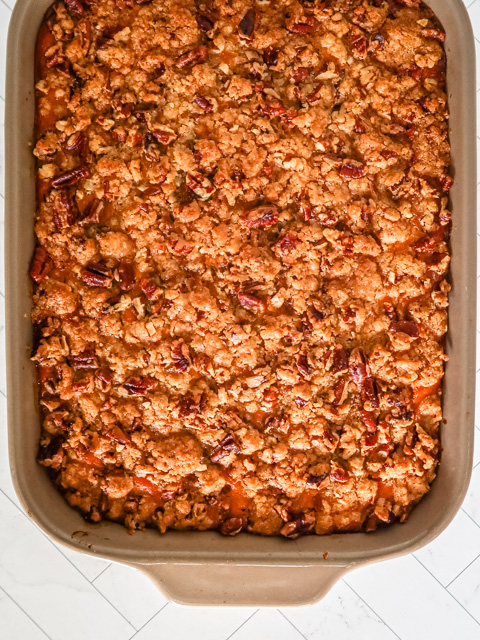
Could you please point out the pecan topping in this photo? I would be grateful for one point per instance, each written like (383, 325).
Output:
(205, 23)
(200, 185)
(286, 243)
(71, 177)
(163, 134)
(138, 386)
(247, 24)
(338, 391)
(225, 447)
(62, 210)
(436, 34)
(41, 265)
(96, 275)
(265, 216)
(352, 169)
(204, 103)
(50, 454)
(340, 360)
(252, 303)
(297, 528)
(369, 392)
(75, 141)
(378, 42)
(300, 74)
(357, 366)
(126, 276)
(181, 357)
(340, 475)
(75, 7)
(85, 360)
(118, 435)
(150, 289)
(303, 366)
(231, 526)
(447, 183)
(358, 44)
(368, 420)
(317, 481)
(307, 25)
(193, 57)
(92, 213)
(405, 326)
(104, 379)
(315, 94)
(270, 56)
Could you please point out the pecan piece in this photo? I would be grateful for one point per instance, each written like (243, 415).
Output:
(71, 177)
(204, 103)
(118, 435)
(300, 74)
(193, 57)
(352, 169)
(260, 217)
(62, 210)
(338, 391)
(297, 528)
(231, 526)
(247, 24)
(92, 213)
(150, 289)
(447, 183)
(369, 392)
(85, 360)
(205, 23)
(357, 366)
(436, 34)
(378, 42)
(340, 360)
(163, 134)
(252, 303)
(286, 243)
(138, 386)
(303, 366)
(307, 25)
(225, 447)
(358, 44)
(126, 276)
(41, 265)
(75, 7)
(315, 94)
(368, 420)
(180, 357)
(317, 481)
(74, 141)
(270, 56)
(104, 379)
(340, 475)
(96, 275)
(200, 185)
(405, 326)
(50, 454)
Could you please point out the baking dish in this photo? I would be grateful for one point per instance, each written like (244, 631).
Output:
(204, 568)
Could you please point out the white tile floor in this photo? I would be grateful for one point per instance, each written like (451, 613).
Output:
(46, 590)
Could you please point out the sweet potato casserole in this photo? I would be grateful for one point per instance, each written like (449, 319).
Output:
(239, 280)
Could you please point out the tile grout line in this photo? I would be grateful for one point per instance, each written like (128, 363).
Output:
(469, 516)
(290, 622)
(149, 620)
(25, 613)
(464, 569)
(67, 559)
(447, 591)
(6, 5)
(243, 623)
(369, 607)
(101, 572)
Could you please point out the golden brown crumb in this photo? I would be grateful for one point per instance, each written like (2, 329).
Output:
(240, 295)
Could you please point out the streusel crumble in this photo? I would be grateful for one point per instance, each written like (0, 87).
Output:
(239, 282)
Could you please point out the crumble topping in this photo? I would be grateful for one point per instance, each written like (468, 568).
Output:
(239, 283)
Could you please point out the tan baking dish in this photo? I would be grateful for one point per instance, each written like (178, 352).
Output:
(206, 568)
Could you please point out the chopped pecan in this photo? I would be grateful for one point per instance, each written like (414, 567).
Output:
(427, 244)
(359, 127)
(231, 526)
(300, 74)
(303, 366)
(200, 185)
(50, 453)
(369, 392)
(317, 481)
(62, 210)
(315, 94)
(270, 396)
(138, 385)
(118, 435)
(273, 107)
(181, 357)
(204, 103)
(41, 265)
(340, 360)
(96, 275)
(104, 379)
(261, 217)
(71, 177)
(307, 25)
(205, 23)
(358, 44)
(126, 276)
(338, 391)
(286, 243)
(447, 183)
(297, 528)
(436, 34)
(92, 213)
(163, 134)
(340, 475)
(85, 360)
(150, 289)
(74, 141)
(368, 420)
(352, 169)
(252, 303)
(247, 24)
(75, 7)
(377, 42)
(193, 57)
(405, 326)
(225, 447)
(270, 56)
(357, 366)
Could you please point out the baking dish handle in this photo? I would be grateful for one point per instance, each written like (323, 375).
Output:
(246, 585)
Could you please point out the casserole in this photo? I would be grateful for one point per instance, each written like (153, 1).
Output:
(263, 561)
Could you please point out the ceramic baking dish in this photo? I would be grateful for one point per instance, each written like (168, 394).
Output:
(206, 568)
